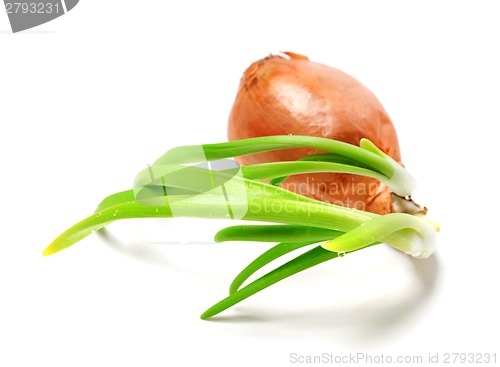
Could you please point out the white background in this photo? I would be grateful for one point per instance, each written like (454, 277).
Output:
(88, 100)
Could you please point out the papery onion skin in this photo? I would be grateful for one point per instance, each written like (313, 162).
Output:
(288, 94)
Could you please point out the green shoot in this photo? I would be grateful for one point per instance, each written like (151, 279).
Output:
(218, 188)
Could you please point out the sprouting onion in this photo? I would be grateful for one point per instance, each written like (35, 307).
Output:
(199, 181)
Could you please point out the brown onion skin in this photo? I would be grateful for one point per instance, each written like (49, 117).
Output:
(289, 94)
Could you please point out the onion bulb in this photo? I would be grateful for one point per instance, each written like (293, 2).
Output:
(289, 94)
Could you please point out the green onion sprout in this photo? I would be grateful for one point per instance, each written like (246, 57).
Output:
(201, 181)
